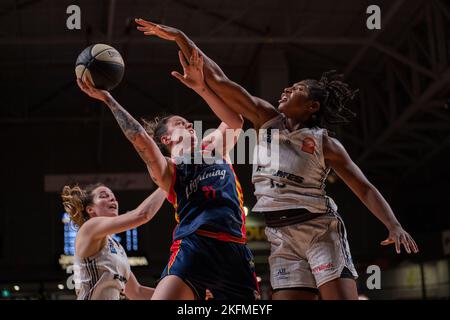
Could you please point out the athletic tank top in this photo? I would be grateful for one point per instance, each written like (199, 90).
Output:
(102, 276)
(208, 200)
(293, 176)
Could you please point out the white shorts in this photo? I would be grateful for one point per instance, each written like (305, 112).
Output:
(310, 253)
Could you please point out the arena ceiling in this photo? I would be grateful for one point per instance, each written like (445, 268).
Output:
(402, 70)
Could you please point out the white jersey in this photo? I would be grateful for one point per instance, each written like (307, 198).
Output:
(294, 176)
(102, 276)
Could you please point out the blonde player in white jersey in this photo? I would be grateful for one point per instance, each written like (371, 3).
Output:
(309, 248)
(101, 268)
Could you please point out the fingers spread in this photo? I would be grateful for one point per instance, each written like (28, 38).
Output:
(195, 56)
(397, 245)
(80, 84)
(413, 244)
(89, 84)
(405, 243)
(178, 75)
(387, 242)
(182, 59)
(144, 22)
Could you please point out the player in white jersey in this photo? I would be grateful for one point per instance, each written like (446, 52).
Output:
(101, 268)
(309, 249)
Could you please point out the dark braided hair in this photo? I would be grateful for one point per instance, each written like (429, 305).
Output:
(157, 128)
(333, 94)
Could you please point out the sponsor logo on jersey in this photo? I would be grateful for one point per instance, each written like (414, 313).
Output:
(308, 145)
(192, 185)
(281, 174)
(120, 278)
(323, 267)
(282, 274)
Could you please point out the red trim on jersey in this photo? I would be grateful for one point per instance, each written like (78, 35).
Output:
(172, 197)
(174, 248)
(222, 236)
(308, 145)
(241, 202)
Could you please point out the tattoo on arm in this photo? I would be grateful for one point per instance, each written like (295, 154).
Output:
(130, 126)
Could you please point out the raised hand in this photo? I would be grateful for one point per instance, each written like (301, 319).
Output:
(159, 30)
(193, 73)
(88, 88)
(400, 237)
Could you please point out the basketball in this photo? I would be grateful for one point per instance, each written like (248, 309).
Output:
(102, 65)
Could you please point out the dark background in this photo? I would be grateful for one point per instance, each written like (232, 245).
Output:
(400, 139)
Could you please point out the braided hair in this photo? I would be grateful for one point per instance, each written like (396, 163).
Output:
(333, 94)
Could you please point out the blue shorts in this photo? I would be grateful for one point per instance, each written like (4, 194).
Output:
(225, 269)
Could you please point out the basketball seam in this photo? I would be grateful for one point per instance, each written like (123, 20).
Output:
(104, 74)
(93, 57)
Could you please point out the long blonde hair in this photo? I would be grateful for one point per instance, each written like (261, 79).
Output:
(76, 199)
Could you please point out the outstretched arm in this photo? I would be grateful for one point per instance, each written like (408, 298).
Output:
(148, 150)
(99, 227)
(338, 159)
(255, 109)
(193, 78)
(225, 136)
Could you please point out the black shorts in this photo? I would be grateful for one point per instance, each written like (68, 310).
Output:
(226, 269)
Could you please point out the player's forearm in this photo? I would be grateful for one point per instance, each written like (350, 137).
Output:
(236, 98)
(145, 293)
(185, 44)
(130, 126)
(140, 293)
(150, 206)
(212, 70)
(220, 109)
(136, 134)
(379, 207)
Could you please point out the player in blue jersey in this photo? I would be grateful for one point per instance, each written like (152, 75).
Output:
(209, 251)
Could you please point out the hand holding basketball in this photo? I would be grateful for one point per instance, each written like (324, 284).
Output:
(92, 92)
(102, 65)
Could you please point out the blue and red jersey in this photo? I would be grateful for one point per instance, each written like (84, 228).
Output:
(208, 200)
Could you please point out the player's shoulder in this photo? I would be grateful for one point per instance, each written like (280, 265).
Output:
(333, 149)
(266, 112)
(331, 142)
